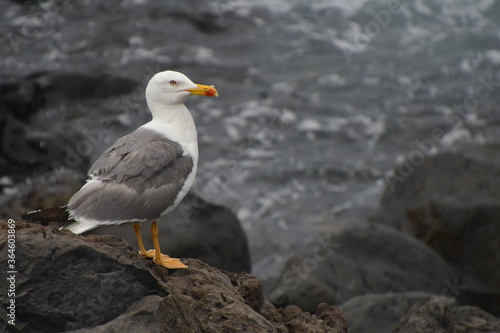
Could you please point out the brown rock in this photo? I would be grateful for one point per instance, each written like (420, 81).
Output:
(327, 319)
(444, 315)
(379, 313)
(100, 284)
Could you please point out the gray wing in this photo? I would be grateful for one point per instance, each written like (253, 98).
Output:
(137, 178)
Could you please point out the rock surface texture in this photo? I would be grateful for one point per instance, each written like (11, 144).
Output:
(68, 282)
(445, 315)
(362, 260)
(452, 203)
(380, 312)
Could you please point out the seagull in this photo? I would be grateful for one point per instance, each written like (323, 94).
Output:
(145, 174)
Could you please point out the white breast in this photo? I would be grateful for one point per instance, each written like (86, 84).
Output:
(178, 126)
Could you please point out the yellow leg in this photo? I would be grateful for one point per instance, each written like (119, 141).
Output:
(142, 250)
(158, 257)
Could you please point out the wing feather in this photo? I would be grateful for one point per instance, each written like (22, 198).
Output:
(135, 179)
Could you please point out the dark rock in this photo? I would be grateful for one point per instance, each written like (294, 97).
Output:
(205, 17)
(53, 97)
(141, 317)
(444, 315)
(379, 313)
(100, 284)
(25, 152)
(66, 282)
(274, 316)
(20, 98)
(332, 319)
(247, 284)
(373, 259)
(17, 149)
(197, 229)
(357, 261)
(22, 150)
(57, 85)
(51, 189)
(452, 203)
(205, 22)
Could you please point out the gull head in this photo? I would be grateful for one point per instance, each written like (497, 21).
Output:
(172, 88)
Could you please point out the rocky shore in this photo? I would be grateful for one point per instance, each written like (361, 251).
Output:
(425, 260)
(72, 283)
(346, 171)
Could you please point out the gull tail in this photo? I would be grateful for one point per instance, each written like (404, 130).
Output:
(57, 216)
(47, 215)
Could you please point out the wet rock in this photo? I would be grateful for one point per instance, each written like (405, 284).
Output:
(197, 229)
(379, 313)
(373, 259)
(99, 283)
(452, 203)
(445, 315)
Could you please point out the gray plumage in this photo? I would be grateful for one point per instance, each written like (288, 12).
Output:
(138, 178)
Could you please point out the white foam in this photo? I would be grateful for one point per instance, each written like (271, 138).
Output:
(332, 80)
(309, 125)
(493, 56)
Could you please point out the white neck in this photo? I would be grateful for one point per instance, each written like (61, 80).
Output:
(175, 123)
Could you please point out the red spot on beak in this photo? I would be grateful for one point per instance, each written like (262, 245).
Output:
(204, 90)
(211, 92)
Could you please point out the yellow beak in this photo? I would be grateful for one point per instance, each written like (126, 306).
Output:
(204, 90)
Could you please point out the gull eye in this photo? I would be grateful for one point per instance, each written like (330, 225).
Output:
(173, 82)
